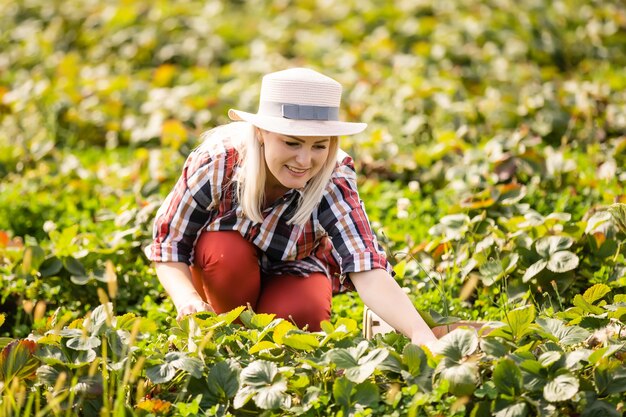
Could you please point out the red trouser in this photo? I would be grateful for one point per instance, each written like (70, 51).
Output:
(226, 273)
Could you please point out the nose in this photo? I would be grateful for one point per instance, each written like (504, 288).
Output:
(303, 157)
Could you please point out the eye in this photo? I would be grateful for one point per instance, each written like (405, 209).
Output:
(320, 146)
(292, 144)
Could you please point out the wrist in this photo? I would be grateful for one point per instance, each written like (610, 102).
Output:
(421, 336)
(182, 300)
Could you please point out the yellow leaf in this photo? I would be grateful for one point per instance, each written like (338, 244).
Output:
(173, 133)
(281, 330)
(262, 345)
(163, 75)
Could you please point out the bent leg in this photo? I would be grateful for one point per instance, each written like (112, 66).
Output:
(226, 270)
(304, 300)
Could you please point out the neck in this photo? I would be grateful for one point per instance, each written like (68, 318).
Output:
(274, 193)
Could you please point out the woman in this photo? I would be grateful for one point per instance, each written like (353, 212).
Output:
(267, 212)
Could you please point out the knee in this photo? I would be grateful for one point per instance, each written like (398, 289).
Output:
(224, 250)
(305, 301)
(311, 315)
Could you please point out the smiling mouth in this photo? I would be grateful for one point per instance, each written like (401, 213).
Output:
(296, 170)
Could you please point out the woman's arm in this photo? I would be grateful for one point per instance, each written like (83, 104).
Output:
(176, 279)
(382, 294)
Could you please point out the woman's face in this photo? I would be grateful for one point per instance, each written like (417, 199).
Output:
(292, 161)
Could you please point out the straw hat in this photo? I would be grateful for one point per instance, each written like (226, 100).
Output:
(299, 102)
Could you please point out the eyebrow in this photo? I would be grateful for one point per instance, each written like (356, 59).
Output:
(302, 141)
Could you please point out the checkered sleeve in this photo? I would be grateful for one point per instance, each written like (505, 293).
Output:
(342, 214)
(187, 209)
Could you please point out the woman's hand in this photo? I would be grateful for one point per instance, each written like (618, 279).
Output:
(177, 281)
(381, 293)
(424, 340)
(194, 306)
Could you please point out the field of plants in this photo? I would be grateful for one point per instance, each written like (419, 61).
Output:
(492, 170)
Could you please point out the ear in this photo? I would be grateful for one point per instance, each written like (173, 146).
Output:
(258, 133)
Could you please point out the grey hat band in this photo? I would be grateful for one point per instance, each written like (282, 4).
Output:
(298, 111)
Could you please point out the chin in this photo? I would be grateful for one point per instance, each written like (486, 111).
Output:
(292, 185)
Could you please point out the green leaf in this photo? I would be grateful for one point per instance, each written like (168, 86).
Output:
(99, 316)
(491, 271)
(601, 408)
(327, 327)
(367, 365)
(574, 360)
(358, 367)
(244, 395)
(301, 341)
(493, 347)
(259, 373)
(610, 378)
(48, 374)
(273, 396)
(481, 409)
(17, 360)
(596, 292)
(50, 267)
(84, 357)
(561, 388)
(455, 221)
(534, 269)
(74, 267)
(456, 345)
(51, 354)
(566, 335)
(4, 341)
(562, 261)
(260, 321)
(514, 410)
(509, 263)
(118, 342)
(180, 360)
(511, 194)
(580, 302)
(549, 358)
(463, 379)
(83, 342)
(546, 246)
(487, 390)
(80, 280)
(223, 380)
(531, 366)
(596, 221)
(507, 377)
(342, 358)
(520, 321)
(231, 316)
(160, 374)
(342, 392)
(604, 352)
(412, 358)
(345, 325)
(366, 394)
(618, 212)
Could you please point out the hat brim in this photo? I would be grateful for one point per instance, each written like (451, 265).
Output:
(294, 127)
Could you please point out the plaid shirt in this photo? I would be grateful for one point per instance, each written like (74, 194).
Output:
(335, 241)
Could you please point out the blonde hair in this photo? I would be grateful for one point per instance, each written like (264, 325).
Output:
(252, 176)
